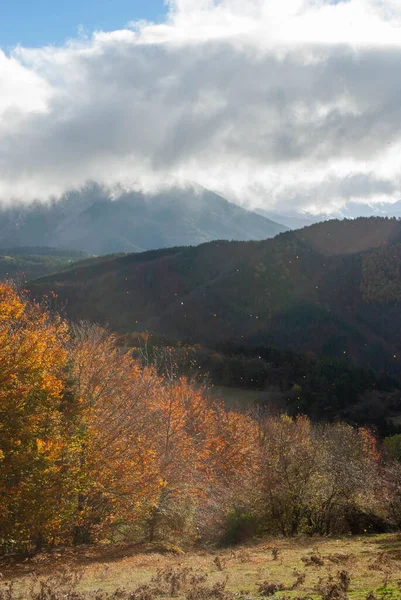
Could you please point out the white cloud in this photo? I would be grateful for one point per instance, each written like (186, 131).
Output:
(21, 90)
(286, 103)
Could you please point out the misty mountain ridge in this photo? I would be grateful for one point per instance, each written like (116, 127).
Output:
(91, 221)
(352, 210)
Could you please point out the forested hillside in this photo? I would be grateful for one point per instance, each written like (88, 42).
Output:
(32, 262)
(332, 289)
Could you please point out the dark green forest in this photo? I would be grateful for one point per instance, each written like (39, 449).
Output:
(331, 289)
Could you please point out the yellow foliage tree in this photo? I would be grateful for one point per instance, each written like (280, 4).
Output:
(35, 452)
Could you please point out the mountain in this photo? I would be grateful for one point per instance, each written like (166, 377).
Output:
(32, 262)
(384, 209)
(333, 289)
(91, 221)
(352, 210)
(292, 220)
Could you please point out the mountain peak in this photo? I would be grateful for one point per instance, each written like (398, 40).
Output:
(94, 222)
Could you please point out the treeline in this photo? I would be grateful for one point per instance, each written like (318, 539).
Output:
(95, 446)
(324, 388)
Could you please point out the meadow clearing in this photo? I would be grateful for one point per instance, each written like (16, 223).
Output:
(365, 567)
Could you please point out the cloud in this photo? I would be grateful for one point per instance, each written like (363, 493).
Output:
(290, 104)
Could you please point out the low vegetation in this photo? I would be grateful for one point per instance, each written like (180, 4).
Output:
(364, 568)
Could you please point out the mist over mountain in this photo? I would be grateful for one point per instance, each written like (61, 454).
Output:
(291, 220)
(91, 221)
(352, 210)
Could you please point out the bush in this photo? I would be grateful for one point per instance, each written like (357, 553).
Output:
(239, 527)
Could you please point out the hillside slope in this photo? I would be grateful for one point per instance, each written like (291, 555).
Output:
(32, 262)
(93, 222)
(333, 288)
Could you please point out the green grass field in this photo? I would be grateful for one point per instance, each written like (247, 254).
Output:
(331, 569)
(237, 398)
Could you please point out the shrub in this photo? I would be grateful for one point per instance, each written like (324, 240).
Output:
(239, 527)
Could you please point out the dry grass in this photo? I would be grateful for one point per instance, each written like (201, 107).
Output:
(329, 569)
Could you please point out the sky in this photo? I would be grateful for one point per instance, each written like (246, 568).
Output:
(43, 22)
(289, 105)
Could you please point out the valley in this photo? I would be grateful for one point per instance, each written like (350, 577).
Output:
(200, 300)
(215, 395)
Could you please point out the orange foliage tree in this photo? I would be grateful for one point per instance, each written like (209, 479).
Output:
(156, 449)
(119, 475)
(36, 458)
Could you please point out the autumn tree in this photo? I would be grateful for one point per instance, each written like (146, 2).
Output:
(350, 484)
(36, 458)
(288, 472)
(232, 475)
(119, 475)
